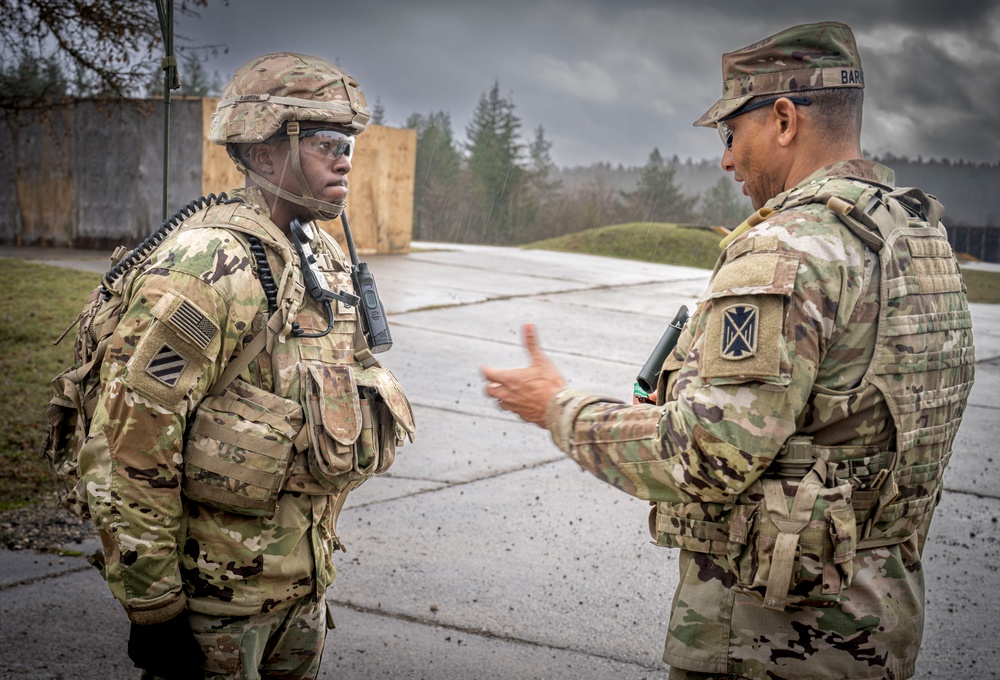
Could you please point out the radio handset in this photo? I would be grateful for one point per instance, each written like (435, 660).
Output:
(376, 325)
(302, 234)
(319, 289)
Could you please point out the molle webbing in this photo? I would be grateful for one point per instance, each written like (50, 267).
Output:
(923, 367)
(924, 362)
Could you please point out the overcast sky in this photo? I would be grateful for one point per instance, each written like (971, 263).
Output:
(611, 80)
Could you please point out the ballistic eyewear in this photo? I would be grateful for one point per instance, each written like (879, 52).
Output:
(726, 132)
(325, 142)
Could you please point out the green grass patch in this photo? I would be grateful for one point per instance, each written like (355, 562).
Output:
(983, 286)
(670, 244)
(37, 302)
(646, 241)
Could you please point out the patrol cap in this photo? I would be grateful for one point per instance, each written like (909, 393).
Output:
(806, 57)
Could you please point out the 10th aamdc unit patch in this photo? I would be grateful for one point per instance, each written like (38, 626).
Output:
(739, 332)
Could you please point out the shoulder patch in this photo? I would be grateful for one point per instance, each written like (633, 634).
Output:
(739, 332)
(167, 365)
(189, 320)
(745, 341)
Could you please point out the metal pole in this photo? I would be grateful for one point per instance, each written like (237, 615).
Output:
(170, 81)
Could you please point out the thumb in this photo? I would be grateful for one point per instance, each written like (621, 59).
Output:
(531, 343)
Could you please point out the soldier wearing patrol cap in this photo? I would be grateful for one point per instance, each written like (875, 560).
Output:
(236, 411)
(805, 418)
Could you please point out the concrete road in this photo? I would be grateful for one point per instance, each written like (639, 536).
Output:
(484, 552)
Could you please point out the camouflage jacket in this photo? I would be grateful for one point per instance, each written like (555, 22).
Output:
(191, 306)
(785, 342)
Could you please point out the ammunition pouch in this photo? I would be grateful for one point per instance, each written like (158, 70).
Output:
(239, 448)
(355, 418)
(793, 541)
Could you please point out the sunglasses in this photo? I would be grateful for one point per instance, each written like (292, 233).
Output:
(324, 142)
(726, 132)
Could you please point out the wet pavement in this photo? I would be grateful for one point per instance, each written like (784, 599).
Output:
(484, 552)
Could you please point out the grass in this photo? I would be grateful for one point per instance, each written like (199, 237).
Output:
(983, 286)
(646, 241)
(37, 302)
(670, 244)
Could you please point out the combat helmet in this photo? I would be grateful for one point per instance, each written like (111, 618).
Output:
(271, 95)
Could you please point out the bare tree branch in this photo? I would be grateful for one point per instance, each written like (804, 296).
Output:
(102, 48)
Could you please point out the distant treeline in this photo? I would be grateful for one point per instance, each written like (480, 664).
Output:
(493, 187)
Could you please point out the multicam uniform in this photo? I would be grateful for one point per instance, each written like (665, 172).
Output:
(157, 443)
(856, 337)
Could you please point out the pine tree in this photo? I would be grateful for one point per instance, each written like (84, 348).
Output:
(493, 170)
(658, 196)
(436, 192)
(32, 79)
(722, 206)
(540, 191)
(378, 113)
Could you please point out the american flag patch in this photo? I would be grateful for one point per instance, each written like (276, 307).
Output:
(166, 365)
(195, 325)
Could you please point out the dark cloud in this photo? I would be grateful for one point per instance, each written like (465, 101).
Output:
(914, 14)
(609, 81)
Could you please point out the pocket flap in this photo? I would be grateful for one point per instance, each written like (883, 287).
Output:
(335, 393)
(384, 382)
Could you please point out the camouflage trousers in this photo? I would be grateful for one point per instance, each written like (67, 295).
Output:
(681, 674)
(279, 645)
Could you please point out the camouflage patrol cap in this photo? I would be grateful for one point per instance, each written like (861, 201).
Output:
(806, 57)
(270, 90)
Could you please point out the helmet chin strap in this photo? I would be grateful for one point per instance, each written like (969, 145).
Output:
(320, 210)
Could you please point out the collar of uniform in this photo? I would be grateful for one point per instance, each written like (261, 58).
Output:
(857, 168)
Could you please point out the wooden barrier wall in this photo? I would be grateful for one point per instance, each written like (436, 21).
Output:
(89, 174)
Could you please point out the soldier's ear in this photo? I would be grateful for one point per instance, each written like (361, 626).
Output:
(786, 121)
(261, 158)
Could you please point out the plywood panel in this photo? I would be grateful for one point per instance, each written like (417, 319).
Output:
(44, 180)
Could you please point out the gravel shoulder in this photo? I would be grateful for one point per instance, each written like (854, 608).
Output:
(44, 526)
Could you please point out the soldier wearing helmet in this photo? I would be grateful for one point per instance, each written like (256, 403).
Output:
(805, 418)
(236, 410)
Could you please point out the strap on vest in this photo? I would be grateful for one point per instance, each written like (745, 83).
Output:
(362, 354)
(790, 525)
(240, 361)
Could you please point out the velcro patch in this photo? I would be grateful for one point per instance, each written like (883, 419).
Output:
(198, 328)
(739, 332)
(166, 365)
(745, 341)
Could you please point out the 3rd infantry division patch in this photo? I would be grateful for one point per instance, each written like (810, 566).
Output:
(739, 332)
(166, 365)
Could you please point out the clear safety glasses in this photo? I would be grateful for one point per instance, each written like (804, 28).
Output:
(328, 143)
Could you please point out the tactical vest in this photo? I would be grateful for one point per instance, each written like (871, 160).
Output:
(792, 540)
(310, 415)
(313, 412)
